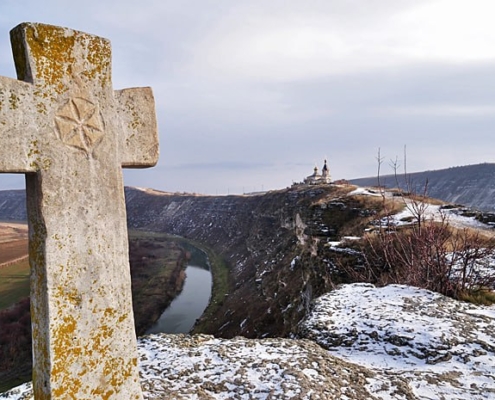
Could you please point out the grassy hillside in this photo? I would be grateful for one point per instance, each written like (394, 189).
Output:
(14, 283)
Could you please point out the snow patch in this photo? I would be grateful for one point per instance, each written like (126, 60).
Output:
(441, 346)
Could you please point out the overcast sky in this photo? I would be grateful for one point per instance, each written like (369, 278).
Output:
(251, 94)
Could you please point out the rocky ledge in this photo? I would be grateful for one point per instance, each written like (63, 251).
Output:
(439, 347)
(395, 342)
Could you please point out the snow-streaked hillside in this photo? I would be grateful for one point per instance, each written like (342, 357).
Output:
(396, 342)
(470, 185)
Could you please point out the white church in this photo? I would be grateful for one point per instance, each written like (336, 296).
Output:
(318, 179)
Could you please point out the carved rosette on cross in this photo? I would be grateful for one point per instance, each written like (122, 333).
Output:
(64, 126)
(79, 124)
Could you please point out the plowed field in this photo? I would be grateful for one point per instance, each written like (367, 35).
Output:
(13, 242)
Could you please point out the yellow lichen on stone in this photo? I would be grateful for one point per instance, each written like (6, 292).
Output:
(109, 312)
(116, 371)
(52, 53)
(69, 390)
(99, 57)
(14, 101)
(63, 344)
(83, 331)
(74, 297)
(122, 318)
(106, 332)
(65, 353)
(53, 58)
(41, 107)
(135, 121)
(37, 161)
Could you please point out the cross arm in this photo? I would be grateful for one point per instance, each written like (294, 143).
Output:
(136, 109)
(20, 125)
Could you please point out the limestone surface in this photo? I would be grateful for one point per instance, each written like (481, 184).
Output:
(444, 348)
(396, 342)
(64, 126)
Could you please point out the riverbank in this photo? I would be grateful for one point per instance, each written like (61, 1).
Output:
(219, 290)
(157, 263)
(181, 315)
(220, 277)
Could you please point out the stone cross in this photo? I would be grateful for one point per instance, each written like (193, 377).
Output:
(64, 126)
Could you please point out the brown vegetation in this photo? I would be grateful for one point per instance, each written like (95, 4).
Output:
(157, 271)
(157, 264)
(427, 253)
(431, 255)
(15, 344)
(13, 240)
(13, 250)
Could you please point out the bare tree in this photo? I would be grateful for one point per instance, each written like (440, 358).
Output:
(428, 252)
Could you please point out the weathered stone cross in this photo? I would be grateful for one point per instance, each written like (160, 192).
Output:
(70, 133)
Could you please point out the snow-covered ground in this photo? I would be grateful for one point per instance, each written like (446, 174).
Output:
(202, 367)
(430, 212)
(395, 342)
(443, 348)
(452, 216)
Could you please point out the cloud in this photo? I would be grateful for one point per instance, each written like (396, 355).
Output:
(440, 110)
(252, 93)
(446, 30)
(290, 43)
(223, 165)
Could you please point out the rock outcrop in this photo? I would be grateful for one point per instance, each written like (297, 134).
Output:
(277, 246)
(442, 348)
(395, 342)
(273, 244)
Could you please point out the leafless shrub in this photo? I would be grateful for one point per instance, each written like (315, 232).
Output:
(15, 336)
(426, 253)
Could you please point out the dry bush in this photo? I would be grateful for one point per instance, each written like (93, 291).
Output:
(431, 255)
(427, 253)
(376, 207)
(15, 336)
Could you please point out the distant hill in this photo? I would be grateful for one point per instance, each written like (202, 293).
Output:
(13, 205)
(470, 185)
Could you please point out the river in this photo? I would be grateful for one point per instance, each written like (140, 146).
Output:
(189, 305)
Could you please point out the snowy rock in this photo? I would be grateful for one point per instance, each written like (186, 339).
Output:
(444, 347)
(395, 342)
(202, 367)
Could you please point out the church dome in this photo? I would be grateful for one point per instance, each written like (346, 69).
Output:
(316, 178)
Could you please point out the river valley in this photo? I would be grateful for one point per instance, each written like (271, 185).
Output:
(189, 305)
